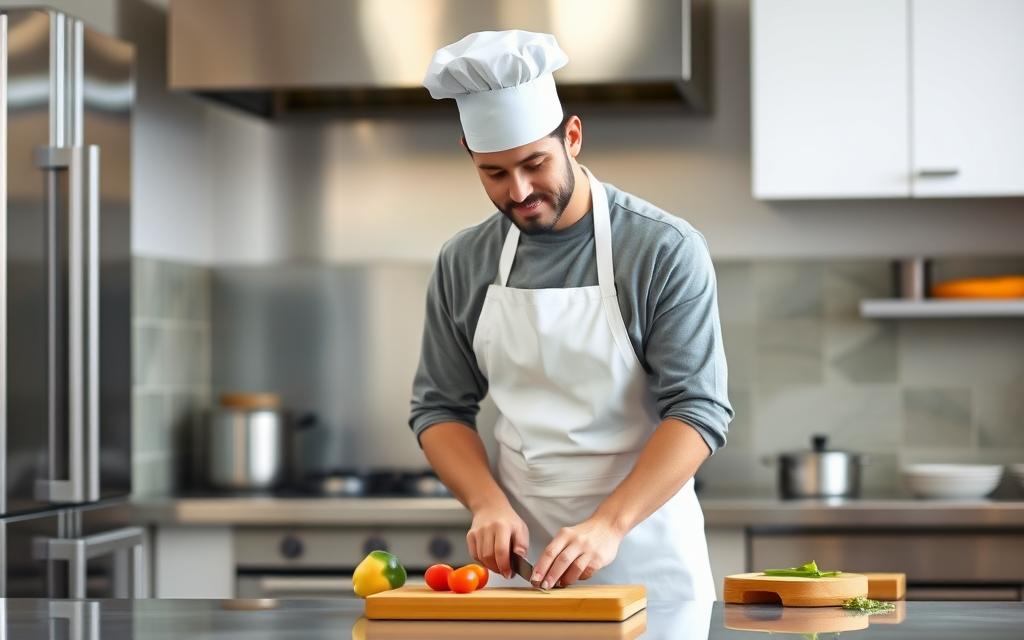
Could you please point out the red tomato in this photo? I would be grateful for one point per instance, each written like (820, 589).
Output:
(463, 580)
(437, 577)
(481, 573)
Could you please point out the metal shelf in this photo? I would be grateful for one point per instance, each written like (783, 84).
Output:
(908, 309)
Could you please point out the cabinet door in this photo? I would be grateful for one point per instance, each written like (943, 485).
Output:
(968, 97)
(829, 98)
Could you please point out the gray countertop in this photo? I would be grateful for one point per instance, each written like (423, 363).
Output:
(718, 512)
(28, 619)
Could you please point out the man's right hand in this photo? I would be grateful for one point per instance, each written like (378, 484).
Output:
(496, 531)
(457, 454)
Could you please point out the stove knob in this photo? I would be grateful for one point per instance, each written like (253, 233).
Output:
(291, 547)
(440, 548)
(374, 543)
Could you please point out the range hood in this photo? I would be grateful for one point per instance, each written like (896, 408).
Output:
(276, 57)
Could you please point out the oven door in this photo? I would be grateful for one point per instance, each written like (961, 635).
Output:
(318, 562)
(291, 586)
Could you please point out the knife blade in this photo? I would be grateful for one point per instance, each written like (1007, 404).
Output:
(524, 570)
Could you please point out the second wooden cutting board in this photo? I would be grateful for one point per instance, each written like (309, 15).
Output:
(592, 603)
(752, 588)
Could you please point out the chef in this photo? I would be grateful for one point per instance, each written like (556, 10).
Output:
(590, 316)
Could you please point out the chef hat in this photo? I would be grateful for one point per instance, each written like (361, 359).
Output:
(502, 84)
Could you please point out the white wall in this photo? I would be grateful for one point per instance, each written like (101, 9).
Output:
(171, 186)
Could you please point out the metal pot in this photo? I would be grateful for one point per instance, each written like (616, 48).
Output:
(246, 443)
(820, 472)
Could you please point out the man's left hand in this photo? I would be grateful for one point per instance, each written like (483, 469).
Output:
(576, 553)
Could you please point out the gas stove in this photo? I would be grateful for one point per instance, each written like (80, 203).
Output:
(377, 483)
(347, 483)
(299, 560)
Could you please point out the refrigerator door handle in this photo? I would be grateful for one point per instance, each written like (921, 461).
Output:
(128, 545)
(92, 322)
(3, 266)
(82, 165)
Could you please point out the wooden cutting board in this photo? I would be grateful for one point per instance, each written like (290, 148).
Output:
(887, 586)
(610, 603)
(751, 588)
(629, 629)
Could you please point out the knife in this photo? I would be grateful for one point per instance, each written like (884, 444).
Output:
(524, 569)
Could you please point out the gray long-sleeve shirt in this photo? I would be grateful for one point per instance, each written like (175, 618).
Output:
(666, 292)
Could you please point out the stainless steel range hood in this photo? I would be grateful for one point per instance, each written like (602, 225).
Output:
(274, 57)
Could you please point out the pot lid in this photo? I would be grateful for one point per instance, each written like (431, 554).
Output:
(819, 445)
(251, 401)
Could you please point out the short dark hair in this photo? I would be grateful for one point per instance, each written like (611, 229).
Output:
(557, 132)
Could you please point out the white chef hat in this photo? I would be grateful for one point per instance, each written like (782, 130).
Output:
(502, 84)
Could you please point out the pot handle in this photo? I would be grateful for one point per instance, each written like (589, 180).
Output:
(819, 442)
(308, 420)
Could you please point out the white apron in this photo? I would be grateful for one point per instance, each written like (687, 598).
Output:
(575, 411)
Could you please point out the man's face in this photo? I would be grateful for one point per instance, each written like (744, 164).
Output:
(531, 184)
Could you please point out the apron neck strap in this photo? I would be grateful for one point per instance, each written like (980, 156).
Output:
(602, 236)
(602, 241)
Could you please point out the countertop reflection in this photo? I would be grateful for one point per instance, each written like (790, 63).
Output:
(342, 619)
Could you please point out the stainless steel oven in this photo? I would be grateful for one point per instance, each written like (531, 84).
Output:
(318, 562)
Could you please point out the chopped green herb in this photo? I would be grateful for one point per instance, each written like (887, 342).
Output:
(866, 605)
(809, 570)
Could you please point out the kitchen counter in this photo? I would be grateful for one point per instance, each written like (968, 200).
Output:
(718, 512)
(338, 619)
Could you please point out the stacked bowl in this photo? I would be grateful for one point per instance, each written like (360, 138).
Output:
(952, 481)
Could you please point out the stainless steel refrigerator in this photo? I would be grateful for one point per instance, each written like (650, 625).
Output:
(66, 96)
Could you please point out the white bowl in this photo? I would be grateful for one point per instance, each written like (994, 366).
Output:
(952, 480)
(954, 470)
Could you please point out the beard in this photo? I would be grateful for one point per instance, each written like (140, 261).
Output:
(558, 199)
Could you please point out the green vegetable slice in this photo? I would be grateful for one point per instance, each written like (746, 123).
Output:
(808, 570)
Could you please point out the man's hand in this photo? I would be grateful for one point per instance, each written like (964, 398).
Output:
(457, 454)
(668, 460)
(497, 530)
(577, 552)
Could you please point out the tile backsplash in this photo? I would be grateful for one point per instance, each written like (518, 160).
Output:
(171, 362)
(802, 361)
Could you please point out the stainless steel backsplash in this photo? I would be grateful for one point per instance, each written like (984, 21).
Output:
(341, 341)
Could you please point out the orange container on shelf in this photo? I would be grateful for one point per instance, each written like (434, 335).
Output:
(1001, 287)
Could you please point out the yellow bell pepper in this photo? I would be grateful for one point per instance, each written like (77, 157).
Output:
(379, 571)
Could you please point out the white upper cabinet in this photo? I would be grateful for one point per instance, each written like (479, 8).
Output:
(829, 98)
(887, 98)
(967, 60)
